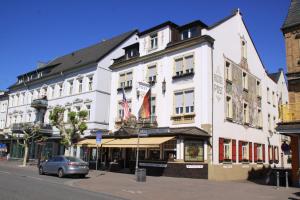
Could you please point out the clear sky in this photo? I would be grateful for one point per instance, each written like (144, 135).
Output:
(32, 31)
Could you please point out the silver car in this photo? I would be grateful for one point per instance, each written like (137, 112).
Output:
(64, 165)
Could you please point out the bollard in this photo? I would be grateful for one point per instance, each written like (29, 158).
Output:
(286, 179)
(277, 177)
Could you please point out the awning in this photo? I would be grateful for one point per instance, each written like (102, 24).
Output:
(147, 142)
(92, 142)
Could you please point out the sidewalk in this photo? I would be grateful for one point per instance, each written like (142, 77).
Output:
(124, 185)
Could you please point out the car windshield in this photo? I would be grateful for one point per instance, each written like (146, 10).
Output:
(73, 159)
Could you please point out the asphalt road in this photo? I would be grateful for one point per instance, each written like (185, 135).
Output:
(24, 184)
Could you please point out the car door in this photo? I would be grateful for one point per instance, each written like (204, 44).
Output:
(58, 161)
(47, 165)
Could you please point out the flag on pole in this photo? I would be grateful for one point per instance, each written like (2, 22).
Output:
(144, 106)
(124, 104)
(145, 109)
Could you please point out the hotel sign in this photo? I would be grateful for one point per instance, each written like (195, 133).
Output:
(194, 166)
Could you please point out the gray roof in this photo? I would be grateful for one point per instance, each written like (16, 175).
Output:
(293, 16)
(85, 56)
(275, 76)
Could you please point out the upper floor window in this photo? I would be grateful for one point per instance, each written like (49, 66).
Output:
(228, 107)
(259, 120)
(246, 113)
(53, 91)
(90, 84)
(184, 65)
(184, 102)
(228, 71)
(153, 105)
(268, 95)
(245, 81)
(244, 49)
(153, 41)
(152, 73)
(125, 80)
(274, 98)
(88, 108)
(71, 87)
(189, 33)
(269, 123)
(60, 89)
(80, 82)
(258, 89)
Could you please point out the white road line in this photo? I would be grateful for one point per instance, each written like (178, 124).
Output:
(4, 172)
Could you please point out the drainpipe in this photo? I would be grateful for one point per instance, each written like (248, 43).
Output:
(212, 105)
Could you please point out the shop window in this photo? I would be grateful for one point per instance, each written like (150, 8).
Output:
(169, 150)
(154, 154)
(194, 151)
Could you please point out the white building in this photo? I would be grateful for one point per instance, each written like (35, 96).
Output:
(76, 81)
(210, 92)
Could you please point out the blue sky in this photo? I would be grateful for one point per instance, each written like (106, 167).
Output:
(32, 31)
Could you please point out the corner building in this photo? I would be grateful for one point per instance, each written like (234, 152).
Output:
(214, 108)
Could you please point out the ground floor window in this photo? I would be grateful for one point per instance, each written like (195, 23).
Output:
(154, 154)
(259, 155)
(194, 151)
(169, 150)
(227, 150)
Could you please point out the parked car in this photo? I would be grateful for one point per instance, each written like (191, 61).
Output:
(64, 165)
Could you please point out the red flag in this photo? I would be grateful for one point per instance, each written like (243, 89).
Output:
(145, 110)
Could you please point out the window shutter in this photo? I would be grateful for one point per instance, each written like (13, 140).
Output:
(264, 152)
(250, 151)
(221, 150)
(255, 152)
(240, 151)
(233, 153)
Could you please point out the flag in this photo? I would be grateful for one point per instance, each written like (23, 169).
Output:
(145, 109)
(124, 104)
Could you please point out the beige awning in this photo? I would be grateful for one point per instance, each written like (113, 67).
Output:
(147, 142)
(92, 142)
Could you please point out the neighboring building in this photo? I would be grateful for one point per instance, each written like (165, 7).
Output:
(210, 95)
(5, 143)
(76, 81)
(290, 124)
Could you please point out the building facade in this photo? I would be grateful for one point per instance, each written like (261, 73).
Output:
(290, 124)
(209, 78)
(76, 81)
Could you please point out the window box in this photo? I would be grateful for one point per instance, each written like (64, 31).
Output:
(189, 74)
(125, 88)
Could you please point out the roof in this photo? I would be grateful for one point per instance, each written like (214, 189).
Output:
(167, 23)
(88, 55)
(275, 76)
(293, 16)
(193, 23)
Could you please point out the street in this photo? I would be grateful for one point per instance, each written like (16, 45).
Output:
(19, 184)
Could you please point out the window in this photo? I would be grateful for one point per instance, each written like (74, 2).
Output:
(153, 41)
(274, 123)
(227, 150)
(184, 102)
(153, 106)
(228, 71)
(244, 49)
(193, 151)
(184, 65)
(152, 74)
(269, 123)
(245, 151)
(71, 87)
(276, 151)
(268, 95)
(52, 92)
(259, 118)
(188, 33)
(228, 107)
(259, 150)
(80, 81)
(179, 66)
(273, 98)
(60, 89)
(258, 89)
(90, 83)
(125, 80)
(246, 113)
(245, 81)
(88, 108)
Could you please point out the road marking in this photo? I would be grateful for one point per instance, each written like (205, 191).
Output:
(4, 172)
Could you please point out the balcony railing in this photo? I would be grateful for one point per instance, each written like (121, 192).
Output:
(290, 112)
(19, 127)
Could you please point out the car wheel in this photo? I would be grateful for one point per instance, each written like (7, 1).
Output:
(41, 171)
(82, 175)
(60, 173)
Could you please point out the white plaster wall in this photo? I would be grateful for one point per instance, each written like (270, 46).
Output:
(228, 44)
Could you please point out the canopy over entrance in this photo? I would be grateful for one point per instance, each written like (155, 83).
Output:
(148, 142)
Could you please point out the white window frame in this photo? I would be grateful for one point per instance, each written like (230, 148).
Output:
(153, 41)
(90, 83)
(152, 78)
(245, 80)
(80, 85)
(184, 69)
(245, 150)
(246, 113)
(229, 111)
(183, 109)
(126, 82)
(227, 144)
(228, 71)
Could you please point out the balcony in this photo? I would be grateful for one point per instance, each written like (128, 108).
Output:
(45, 129)
(39, 103)
(289, 113)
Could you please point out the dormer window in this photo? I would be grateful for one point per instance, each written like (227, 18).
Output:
(153, 41)
(188, 33)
